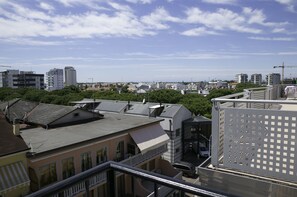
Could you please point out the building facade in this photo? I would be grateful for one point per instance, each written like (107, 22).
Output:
(273, 79)
(6, 78)
(54, 79)
(256, 79)
(241, 78)
(70, 76)
(28, 79)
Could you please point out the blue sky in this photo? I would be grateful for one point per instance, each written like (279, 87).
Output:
(150, 40)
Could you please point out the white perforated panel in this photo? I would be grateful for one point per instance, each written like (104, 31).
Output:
(261, 142)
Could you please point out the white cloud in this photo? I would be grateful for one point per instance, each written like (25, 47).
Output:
(158, 19)
(255, 16)
(290, 4)
(140, 1)
(288, 39)
(200, 31)
(222, 19)
(93, 4)
(31, 42)
(220, 1)
(46, 6)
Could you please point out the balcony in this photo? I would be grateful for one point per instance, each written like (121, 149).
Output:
(109, 169)
(131, 161)
(253, 144)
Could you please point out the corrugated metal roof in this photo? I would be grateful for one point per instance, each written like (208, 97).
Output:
(44, 114)
(19, 109)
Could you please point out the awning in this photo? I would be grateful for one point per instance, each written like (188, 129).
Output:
(13, 175)
(149, 138)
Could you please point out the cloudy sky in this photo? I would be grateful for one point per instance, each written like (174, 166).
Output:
(149, 40)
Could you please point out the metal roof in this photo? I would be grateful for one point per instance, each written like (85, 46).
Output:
(44, 114)
(112, 106)
(9, 143)
(42, 140)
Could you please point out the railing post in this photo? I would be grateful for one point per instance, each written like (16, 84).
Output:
(132, 184)
(215, 127)
(111, 183)
(156, 190)
(87, 187)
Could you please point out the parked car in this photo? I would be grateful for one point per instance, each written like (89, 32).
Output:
(187, 168)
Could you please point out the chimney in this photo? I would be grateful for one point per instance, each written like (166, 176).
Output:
(16, 127)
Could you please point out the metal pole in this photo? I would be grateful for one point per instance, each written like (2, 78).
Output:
(156, 190)
(87, 186)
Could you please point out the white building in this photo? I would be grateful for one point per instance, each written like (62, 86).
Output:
(273, 79)
(241, 78)
(54, 79)
(256, 79)
(70, 76)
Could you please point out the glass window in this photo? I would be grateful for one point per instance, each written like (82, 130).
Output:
(68, 167)
(120, 151)
(86, 161)
(48, 174)
(101, 156)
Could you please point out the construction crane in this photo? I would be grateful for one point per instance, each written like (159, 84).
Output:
(283, 69)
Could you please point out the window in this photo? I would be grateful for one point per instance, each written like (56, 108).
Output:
(101, 156)
(177, 132)
(86, 161)
(120, 151)
(75, 114)
(177, 150)
(48, 174)
(68, 167)
(131, 149)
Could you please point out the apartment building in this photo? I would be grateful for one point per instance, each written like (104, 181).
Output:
(273, 79)
(59, 153)
(54, 79)
(65, 141)
(70, 76)
(241, 78)
(172, 114)
(256, 79)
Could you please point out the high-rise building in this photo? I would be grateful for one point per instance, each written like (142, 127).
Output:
(70, 76)
(28, 79)
(273, 79)
(6, 78)
(54, 79)
(241, 78)
(19, 79)
(256, 79)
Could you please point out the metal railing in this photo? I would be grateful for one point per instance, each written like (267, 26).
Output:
(110, 168)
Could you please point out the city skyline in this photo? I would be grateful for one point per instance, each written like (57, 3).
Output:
(150, 40)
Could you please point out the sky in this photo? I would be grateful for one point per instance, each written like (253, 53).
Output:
(150, 40)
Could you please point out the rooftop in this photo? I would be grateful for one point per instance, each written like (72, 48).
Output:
(42, 140)
(9, 143)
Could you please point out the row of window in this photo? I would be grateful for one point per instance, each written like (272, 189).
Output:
(48, 172)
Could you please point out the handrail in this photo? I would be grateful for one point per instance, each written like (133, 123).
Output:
(254, 101)
(111, 167)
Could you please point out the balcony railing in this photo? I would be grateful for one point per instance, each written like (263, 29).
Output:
(100, 178)
(110, 168)
(254, 135)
